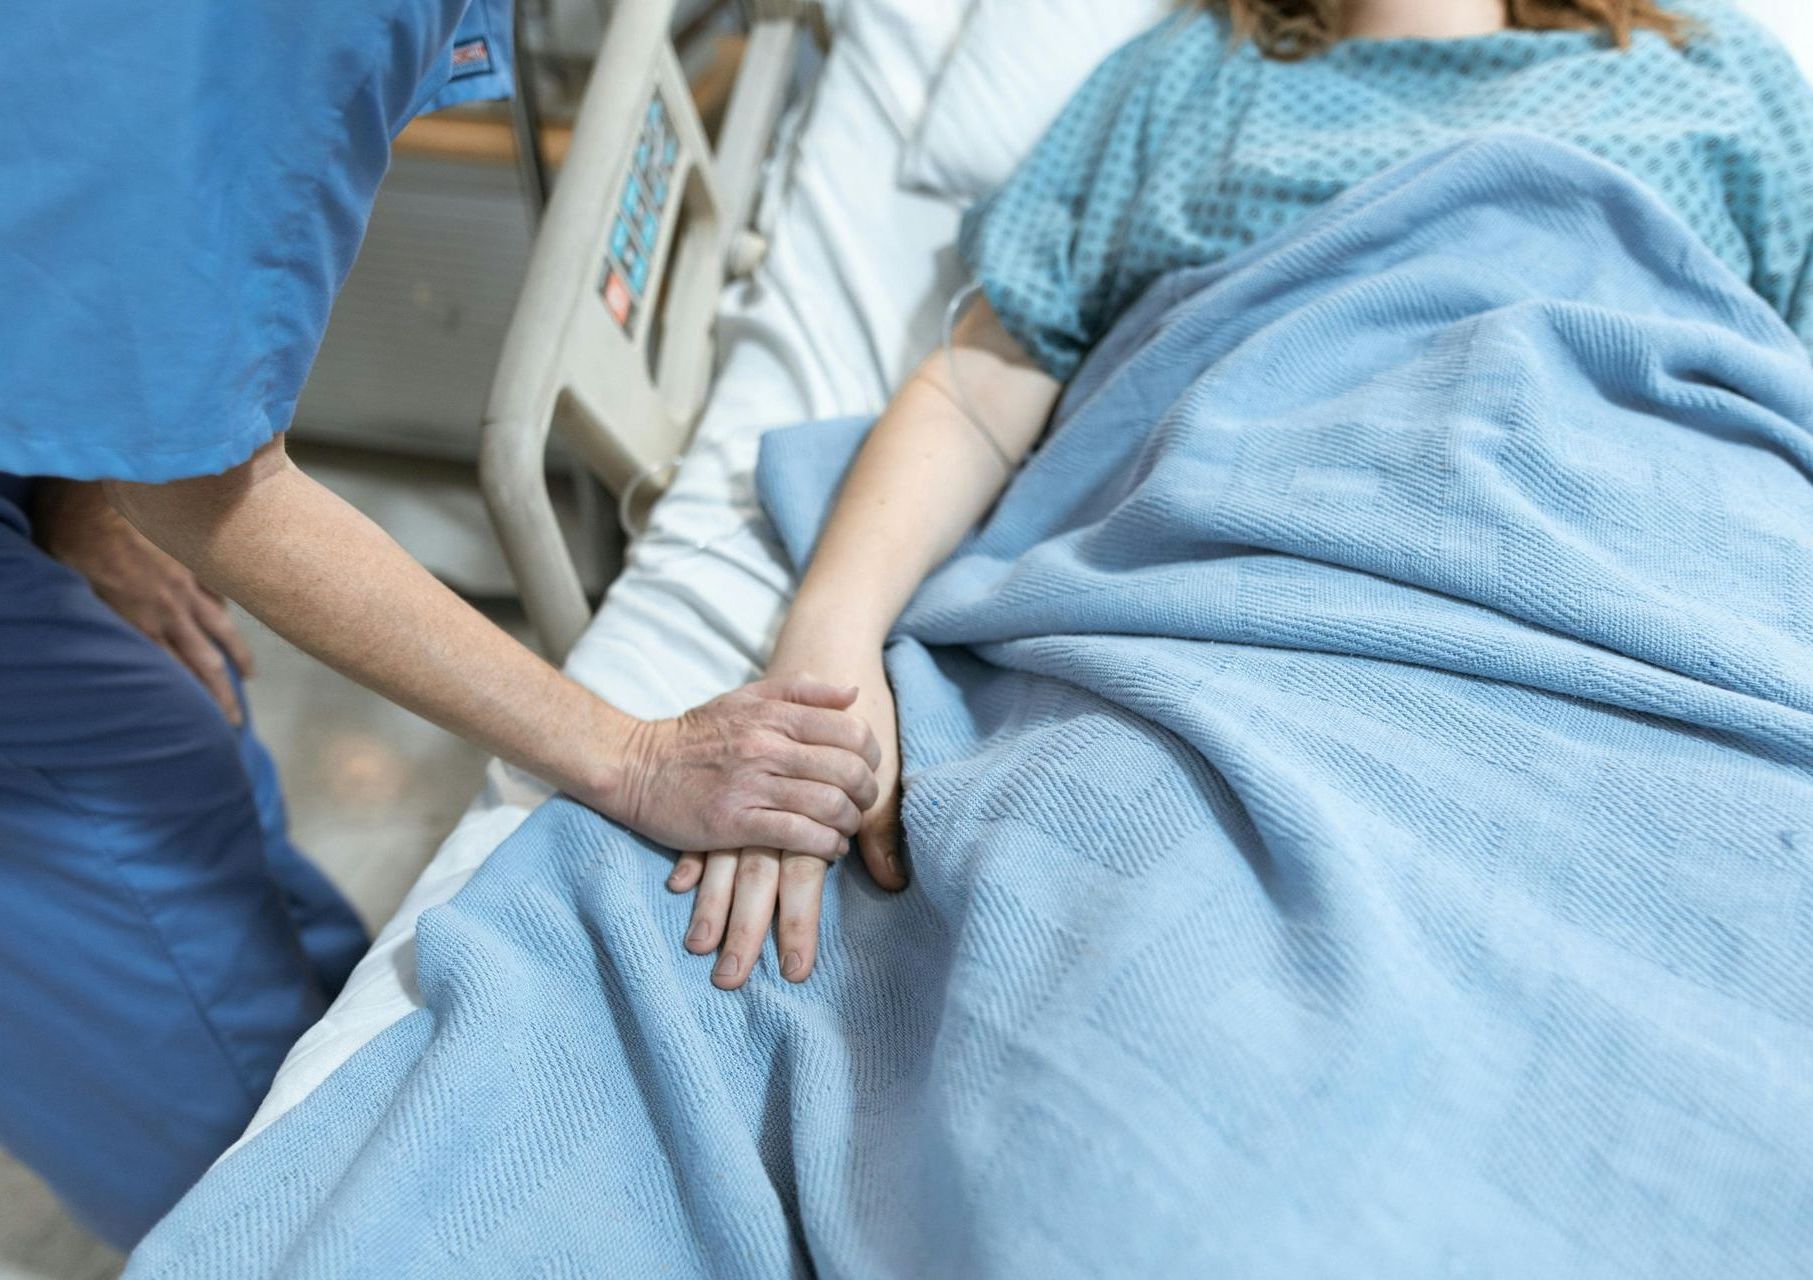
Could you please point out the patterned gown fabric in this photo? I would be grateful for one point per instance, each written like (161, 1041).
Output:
(1359, 789)
(1185, 146)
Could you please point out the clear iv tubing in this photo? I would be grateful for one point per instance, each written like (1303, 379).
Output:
(951, 312)
(626, 501)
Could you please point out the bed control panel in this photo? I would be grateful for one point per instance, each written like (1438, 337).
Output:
(642, 208)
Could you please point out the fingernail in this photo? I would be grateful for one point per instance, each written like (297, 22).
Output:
(843, 847)
(790, 964)
(894, 866)
(696, 935)
(727, 966)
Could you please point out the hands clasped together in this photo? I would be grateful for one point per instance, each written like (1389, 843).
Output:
(793, 783)
(794, 768)
(797, 767)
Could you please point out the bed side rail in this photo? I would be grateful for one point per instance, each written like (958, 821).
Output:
(612, 333)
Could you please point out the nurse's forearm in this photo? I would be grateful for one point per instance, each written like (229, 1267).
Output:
(778, 764)
(325, 577)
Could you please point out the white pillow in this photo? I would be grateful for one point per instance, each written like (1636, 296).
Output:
(1018, 62)
(898, 47)
(1015, 66)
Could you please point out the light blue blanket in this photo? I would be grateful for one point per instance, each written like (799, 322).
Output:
(1360, 794)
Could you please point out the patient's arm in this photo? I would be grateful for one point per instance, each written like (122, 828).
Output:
(922, 480)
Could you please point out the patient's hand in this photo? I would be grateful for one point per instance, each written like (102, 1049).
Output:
(739, 891)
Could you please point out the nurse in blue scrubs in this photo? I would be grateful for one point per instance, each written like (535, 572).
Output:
(162, 942)
(183, 187)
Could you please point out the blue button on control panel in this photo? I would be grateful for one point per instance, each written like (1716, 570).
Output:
(636, 230)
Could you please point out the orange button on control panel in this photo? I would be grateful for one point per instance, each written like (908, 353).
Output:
(617, 298)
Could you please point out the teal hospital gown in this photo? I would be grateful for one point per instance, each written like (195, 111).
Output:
(1185, 146)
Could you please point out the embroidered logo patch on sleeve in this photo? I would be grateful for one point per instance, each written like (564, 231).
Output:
(471, 58)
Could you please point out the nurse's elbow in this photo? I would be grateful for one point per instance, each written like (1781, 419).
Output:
(179, 515)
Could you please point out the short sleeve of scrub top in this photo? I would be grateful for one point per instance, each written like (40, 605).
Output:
(476, 65)
(185, 187)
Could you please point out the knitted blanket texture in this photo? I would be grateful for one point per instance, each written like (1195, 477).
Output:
(1359, 797)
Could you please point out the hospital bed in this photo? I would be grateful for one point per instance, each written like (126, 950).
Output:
(789, 276)
(818, 325)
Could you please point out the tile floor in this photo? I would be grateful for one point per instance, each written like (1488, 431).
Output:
(372, 790)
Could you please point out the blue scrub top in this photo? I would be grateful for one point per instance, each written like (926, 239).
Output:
(183, 187)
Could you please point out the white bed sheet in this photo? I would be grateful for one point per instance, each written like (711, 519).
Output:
(852, 293)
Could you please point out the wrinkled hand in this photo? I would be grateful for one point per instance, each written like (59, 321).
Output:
(779, 762)
(146, 587)
(739, 891)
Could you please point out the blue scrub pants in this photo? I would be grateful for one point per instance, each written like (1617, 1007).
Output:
(162, 944)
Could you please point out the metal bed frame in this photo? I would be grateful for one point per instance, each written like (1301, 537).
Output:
(626, 389)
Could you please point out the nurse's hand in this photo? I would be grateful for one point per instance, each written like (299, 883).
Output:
(779, 762)
(742, 892)
(76, 525)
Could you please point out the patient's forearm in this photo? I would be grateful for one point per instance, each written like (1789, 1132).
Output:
(322, 575)
(922, 480)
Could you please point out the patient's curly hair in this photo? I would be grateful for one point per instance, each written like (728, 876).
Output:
(1291, 29)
